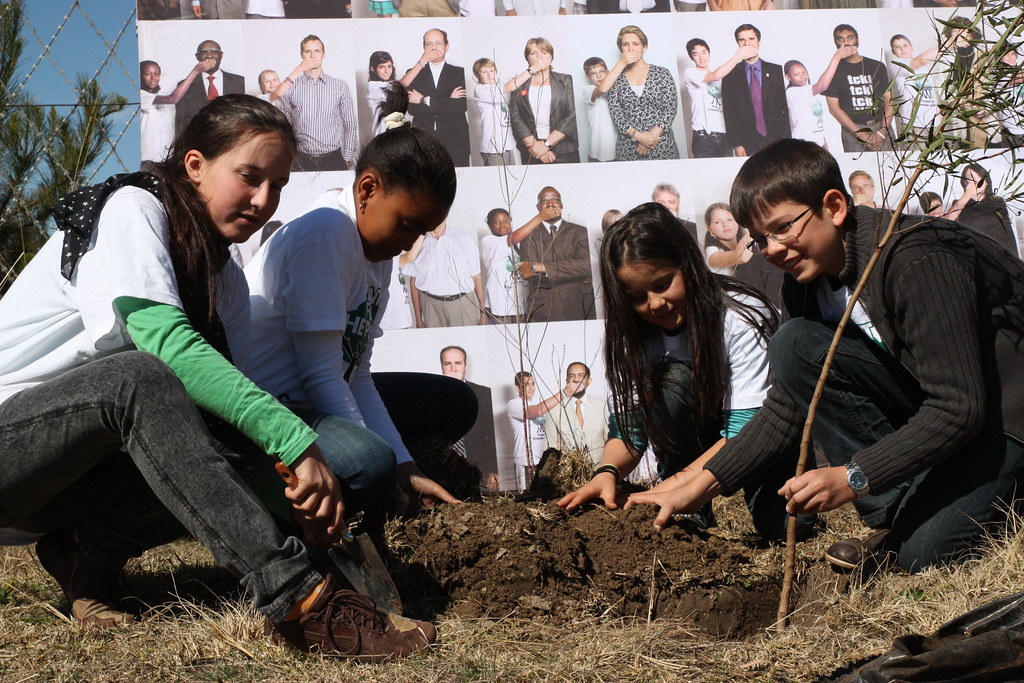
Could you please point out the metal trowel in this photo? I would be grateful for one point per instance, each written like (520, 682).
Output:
(357, 558)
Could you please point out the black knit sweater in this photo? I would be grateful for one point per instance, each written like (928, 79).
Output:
(949, 305)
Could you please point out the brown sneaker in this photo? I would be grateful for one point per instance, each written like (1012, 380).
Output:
(91, 592)
(346, 623)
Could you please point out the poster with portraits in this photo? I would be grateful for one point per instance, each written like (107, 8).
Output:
(555, 116)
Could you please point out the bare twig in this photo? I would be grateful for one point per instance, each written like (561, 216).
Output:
(650, 601)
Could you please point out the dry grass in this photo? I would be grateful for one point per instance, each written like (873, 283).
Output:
(199, 629)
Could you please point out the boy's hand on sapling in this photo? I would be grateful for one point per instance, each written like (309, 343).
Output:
(818, 490)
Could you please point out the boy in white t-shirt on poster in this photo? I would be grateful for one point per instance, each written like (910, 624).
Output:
(599, 116)
(913, 86)
(496, 141)
(527, 419)
(807, 106)
(705, 89)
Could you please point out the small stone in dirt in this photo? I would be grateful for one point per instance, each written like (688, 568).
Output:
(536, 602)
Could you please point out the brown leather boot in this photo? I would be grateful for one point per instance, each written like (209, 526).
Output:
(851, 552)
(346, 623)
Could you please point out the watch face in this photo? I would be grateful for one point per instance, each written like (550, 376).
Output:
(857, 480)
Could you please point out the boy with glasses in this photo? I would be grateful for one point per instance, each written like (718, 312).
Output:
(922, 418)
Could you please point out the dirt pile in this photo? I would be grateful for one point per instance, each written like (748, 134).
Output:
(501, 557)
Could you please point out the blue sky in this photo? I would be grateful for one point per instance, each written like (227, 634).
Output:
(80, 48)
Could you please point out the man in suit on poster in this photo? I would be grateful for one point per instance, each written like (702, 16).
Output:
(580, 420)
(210, 84)
(437, 97)
(555, 261)
(754, 99)
(477, 445)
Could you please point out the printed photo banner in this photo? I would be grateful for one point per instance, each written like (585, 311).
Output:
(603, 163)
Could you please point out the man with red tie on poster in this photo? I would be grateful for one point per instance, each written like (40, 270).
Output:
(209, 85)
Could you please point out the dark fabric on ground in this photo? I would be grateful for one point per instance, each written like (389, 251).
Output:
(985, 644)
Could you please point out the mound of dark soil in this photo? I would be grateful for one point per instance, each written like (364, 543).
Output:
(500, 557)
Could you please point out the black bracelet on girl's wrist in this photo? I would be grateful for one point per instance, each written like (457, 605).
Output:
(608, 468)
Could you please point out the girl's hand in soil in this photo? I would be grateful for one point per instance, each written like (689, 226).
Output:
(686, 498)
(677, 480)
(420, 488)
(600, 487)
(818, 490)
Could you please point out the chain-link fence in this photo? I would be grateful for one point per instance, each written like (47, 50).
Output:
(68, 94)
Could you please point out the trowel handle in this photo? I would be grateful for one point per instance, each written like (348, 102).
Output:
(290, 480)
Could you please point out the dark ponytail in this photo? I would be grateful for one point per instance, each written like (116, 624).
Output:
(409, 159)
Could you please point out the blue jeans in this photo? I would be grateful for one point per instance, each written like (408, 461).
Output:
(64, 441)
(428, 411)
(362, 461)
(691, 437)
(942, 513)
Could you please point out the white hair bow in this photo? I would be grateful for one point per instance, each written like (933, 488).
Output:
(395, 120)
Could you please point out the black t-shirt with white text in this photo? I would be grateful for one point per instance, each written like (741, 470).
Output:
(860, 88)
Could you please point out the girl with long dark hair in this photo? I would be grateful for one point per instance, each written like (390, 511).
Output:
(130, 318)
(686, 358)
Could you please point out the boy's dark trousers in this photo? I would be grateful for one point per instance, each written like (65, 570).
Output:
(941, 513)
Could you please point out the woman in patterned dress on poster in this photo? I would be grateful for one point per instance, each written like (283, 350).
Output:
(643, 101)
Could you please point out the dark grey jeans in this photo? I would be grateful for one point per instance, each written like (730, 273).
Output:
(940, 514)
(63, 444)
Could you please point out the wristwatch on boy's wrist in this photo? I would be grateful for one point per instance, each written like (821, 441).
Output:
(857, 480)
